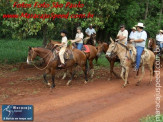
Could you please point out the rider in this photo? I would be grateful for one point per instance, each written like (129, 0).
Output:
(122, 35)
(63, 46)
(78, 38)
(159, 38)
(133, 35)
(140, 42)
(89, 31)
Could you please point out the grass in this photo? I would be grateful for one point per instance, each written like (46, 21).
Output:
(151, 119)
(15, 51)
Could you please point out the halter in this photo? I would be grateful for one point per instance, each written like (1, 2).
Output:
(120, 52)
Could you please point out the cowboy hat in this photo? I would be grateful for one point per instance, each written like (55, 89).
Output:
(133, 28)
(161, 31)
(64, 31)
(140, 25)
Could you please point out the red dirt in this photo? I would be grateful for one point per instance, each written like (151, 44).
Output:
(98, 101)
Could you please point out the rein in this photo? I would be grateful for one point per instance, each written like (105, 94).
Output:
(124, 47)
(46, 65)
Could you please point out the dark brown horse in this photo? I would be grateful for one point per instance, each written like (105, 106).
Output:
(155, 48)
(79, 58)
(90, 55)
(103, 47)
(152, 44)
(91, 40)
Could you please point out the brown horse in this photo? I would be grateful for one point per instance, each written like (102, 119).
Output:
(90, 55)
(91, 40)
(79, 58)
(126, 59)
(103, 47)
(152, 44)
(154, 47)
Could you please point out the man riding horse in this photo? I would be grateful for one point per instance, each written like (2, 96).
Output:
(159, 39)
(90, 36)
(140, 42)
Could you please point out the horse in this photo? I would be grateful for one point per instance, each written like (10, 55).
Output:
(89, 55)
(127, 58)
(152, 44)
(154, 47)
(103, 47)
(79, 58)
(91, 40)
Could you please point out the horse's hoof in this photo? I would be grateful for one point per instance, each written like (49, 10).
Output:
(68, 83)
(109, 79)
(123, 86)
(149, 84)
(85, 82)
(52, 86)
(49, 84)
(138, 83)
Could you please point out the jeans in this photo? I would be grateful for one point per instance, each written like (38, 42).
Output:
(138, 56)
(161, 45)
(79, 45)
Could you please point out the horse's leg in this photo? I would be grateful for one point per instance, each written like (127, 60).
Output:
(84, 68)
(122, 73)
(91, 67)
(72, 76)
(151, 68)
(64, 75)
(126, 76)
(111, 69)
(141, 77)
(45, 75)
(53, 78)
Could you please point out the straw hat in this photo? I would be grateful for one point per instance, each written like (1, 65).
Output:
(161, 31)
(140, 25)
(133, 28)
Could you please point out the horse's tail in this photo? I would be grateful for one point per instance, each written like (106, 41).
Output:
(153, 68)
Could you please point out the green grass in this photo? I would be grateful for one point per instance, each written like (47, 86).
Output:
(151, 119)
(14, 51)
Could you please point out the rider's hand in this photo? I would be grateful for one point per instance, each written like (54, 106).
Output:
(132, 40)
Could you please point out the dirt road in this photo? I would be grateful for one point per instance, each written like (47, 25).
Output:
(98, 101)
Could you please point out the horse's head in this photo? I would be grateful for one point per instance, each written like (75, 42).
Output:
(31, 55)
(50, 45)
(93, 38)
(112, 50)
(150, 43)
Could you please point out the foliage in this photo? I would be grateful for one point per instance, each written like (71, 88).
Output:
(151, 119)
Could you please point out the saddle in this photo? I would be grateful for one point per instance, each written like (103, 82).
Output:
(85, 49)
(67, 55)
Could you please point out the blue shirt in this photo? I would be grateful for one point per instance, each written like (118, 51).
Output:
(141, 35)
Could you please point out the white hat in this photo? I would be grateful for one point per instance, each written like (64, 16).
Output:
(133, 28)
(161, 31)
(91, 24)
(140, 25)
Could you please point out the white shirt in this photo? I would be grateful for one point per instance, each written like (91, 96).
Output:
(90, 31)
(64, 40)
(123, 33)
(81, 36)
(159, 37)
(141, 35)
(132, 35)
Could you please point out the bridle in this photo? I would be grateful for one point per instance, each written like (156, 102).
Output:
(115, 54)
(43, 58)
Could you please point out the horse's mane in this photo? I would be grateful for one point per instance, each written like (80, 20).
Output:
(123, 45)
